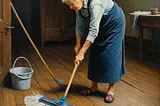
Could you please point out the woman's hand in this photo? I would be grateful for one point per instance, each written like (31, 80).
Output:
(79, 57)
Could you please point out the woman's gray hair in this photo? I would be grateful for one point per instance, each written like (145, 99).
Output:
(63, 1)
(68, 1)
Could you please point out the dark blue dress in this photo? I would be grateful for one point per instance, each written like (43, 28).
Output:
(107, 59)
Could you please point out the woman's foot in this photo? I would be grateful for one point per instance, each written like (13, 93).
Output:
(109, 98)
(88, 92)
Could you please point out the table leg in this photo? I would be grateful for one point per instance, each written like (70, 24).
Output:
(141, 41)
(153, 42)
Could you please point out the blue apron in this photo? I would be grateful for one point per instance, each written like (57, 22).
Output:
(107, 59)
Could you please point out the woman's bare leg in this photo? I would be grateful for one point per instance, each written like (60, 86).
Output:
(94, 86)
(111, 89)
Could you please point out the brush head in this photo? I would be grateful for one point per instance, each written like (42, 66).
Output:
(52, 102)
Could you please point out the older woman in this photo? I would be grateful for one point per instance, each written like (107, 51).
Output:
(105, 39)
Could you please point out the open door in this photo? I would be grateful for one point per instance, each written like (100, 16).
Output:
(5, 36)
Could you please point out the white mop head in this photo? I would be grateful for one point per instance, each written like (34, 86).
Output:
(32, 100)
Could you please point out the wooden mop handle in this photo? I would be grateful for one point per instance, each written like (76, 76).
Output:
(31, 40)
(70, 81)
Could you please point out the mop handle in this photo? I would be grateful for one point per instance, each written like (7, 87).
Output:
(70, 81)
(34, 44)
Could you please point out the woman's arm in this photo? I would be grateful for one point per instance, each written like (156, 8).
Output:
(78, 43)
(85, 47)
(96, 14)
(80, 25)
(80, 55)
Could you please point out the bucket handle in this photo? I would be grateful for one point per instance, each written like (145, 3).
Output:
(21, 58)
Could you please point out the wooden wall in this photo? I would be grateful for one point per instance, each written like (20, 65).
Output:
(29, 12)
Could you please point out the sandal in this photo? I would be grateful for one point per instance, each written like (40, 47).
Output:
(109, 100)
(88, 92)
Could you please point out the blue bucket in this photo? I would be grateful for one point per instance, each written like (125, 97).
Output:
(21, 76)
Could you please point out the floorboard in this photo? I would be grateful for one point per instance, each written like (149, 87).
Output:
(139, 87)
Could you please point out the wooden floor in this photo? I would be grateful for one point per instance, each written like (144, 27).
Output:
(139, 87)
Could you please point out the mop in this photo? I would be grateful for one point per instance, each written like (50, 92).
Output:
(14, 10)
(40, 100)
